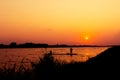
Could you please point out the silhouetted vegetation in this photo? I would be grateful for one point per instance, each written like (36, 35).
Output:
(32, 45)
(104, 66)
(25, 45)
(44, 45)
(15, 73)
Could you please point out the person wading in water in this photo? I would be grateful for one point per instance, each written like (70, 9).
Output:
(71, 51)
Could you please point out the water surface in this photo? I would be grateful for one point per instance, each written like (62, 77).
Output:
(26, 55)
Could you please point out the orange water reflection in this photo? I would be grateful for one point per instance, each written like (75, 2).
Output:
(83, 53)
(8, 57)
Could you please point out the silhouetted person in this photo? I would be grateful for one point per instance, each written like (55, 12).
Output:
(71, 51)
(50, 52)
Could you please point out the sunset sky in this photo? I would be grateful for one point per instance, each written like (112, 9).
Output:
(93, 22)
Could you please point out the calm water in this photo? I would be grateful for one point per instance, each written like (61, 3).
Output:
(26, 55)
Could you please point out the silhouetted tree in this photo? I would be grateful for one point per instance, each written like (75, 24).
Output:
(13, 44)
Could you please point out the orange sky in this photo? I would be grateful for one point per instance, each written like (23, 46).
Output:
(60, 21)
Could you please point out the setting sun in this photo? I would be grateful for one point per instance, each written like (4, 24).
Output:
(86, 38)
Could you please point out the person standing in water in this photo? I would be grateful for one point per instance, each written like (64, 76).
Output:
(71, 51)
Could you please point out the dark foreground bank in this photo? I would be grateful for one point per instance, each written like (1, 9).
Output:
(103, 66)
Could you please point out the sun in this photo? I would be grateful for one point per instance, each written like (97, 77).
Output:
(86, 37)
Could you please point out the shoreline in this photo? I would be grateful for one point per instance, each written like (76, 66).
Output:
(54, 47)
